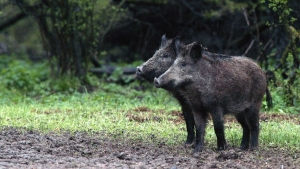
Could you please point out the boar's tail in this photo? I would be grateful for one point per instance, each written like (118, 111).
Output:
(269, 98)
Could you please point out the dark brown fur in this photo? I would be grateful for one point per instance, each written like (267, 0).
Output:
(218, 85)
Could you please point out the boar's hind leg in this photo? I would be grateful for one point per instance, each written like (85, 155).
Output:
(200, 122)
(252, 116)
(218, 121)
(190, 123)
(241, 118)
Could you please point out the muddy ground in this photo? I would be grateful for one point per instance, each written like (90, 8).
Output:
(32, 149)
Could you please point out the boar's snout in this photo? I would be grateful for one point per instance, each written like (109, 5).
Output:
(157, 82)
(139, 70)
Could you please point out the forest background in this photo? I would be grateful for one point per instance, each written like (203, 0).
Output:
(67, 46)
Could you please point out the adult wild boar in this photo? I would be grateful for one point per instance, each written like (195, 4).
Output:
(162, 59)
(217, 85)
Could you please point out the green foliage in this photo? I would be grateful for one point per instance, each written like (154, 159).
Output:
(287, 88)
(281, 7)
(23, 76)
(72, 31)
(88, 22)
(27, 78)
(285, 92)
(23, 38)
(281, 99)
(286, 96)
(64, 84)
(118, 77)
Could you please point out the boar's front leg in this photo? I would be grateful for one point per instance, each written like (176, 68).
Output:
(189, 121)
(218, 121)
(200, 121)
(189, 118)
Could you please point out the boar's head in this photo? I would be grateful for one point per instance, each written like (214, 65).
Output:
(183, 69)
(162, 59)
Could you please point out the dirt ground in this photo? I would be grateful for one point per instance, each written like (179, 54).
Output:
(31, 149)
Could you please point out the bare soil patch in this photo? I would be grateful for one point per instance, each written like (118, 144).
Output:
(32, 149)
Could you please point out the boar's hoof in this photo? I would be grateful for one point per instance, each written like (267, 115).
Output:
(253, 148)
(198, 149)
(223, 147)
(244, 147)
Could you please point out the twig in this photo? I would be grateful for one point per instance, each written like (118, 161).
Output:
(249, 47)
(256, 25)
(246, 16)
(248, 23)
(269, 41)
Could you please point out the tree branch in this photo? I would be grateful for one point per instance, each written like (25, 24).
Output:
(249, 47)
(12, 21)
(246, 37)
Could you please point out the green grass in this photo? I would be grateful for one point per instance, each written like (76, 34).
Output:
(105, 111)
(123, 112)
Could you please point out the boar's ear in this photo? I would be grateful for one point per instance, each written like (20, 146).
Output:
(163, 40)
(195, 51)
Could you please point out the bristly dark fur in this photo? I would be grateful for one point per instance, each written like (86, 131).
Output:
(214, 57)
(234, 85)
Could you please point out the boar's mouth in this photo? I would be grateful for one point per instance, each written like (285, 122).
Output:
(184, 84)
(160, 83)
(149, 76)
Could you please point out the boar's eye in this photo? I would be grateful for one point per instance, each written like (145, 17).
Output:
(183, 64)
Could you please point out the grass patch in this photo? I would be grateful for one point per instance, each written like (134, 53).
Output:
(116, 110)
(123, 112)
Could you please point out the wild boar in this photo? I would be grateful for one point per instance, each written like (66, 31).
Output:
(162, 59)
(218, 84)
